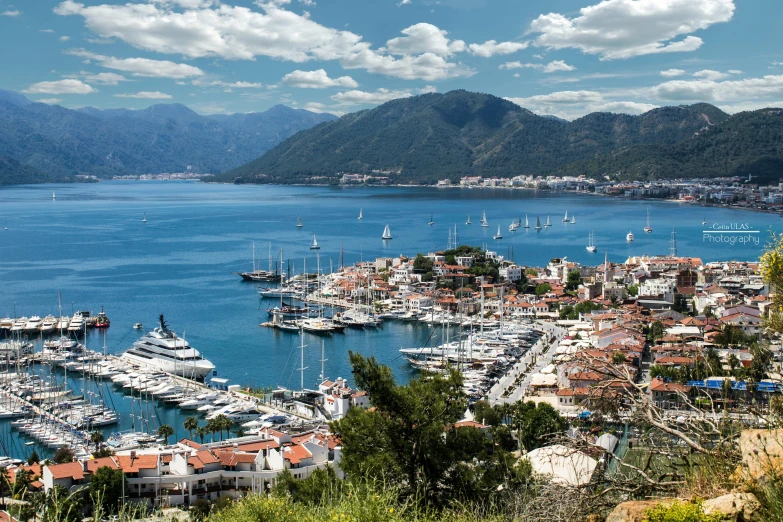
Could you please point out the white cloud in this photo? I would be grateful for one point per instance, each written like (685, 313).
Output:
(45, 30)
(709, 74)
(671, 73)
(50, 101)
(369, 98)
(317, 80)
(11, 13)
(69, 86)
(65, 38)
(146, 95)
(554, 66)
(617, 29)
(424, 38)
(491, 48)
(142, 66)
(106, 78)
(239, 33)
(516, 75)
(746, 90)
(735, 71)
(574, 104)
(404, 2)
(237, 85)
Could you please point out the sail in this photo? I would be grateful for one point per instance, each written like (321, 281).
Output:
(360, 213)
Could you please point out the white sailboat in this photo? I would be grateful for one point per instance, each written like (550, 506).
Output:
(498, 235)
(53, 196)
(704, 221)
(360, 215)
(431, 221)
(538, 223)
(548, 223)
(468, 221)
(527, 225)
(573, 220)
(386, 233)
(484, 222)
(144, 219)
(565, 219)
(591, 242)
(315, 246)
(647, 227)
(299, 222)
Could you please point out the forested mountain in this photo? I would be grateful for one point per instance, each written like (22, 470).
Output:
(459, 133)
(60, 142)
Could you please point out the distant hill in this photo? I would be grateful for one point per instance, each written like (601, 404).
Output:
(62, 142)
(434, 136)
(14, 173)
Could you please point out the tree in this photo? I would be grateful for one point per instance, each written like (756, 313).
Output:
(33, 458)
(97, 438)
(543, 288)
(522, 284)
(199, 510)
(532, 272)
(633, 290)
(63, 455)
(107, 486)
(165, 431)
(222, 423)
(771, 268)
(201, 432)
(573, 281)
(535, 423)
(422, 264)
(190, 424)
(212, 427)
(656, 331)
(618, 358)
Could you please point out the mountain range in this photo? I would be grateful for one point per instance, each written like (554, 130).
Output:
(41, 142)
(424, 138)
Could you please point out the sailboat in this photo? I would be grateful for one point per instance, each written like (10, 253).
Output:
(704, 222)
(484, 222)
(468, 221)
(591, 242)
(299, 222)
(53, 196)
(431, 221)
(538, 223)
(527, 225)
(360, 215)
(314, 246)
(647, 227)
(565, 219)
(548, 223)
(6, 224)
(386, 233)
(498, 235)
(573, 220)
(144, 219)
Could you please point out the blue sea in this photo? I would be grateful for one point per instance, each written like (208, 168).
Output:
(90, 245)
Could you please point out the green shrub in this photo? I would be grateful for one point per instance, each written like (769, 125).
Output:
(681, 512)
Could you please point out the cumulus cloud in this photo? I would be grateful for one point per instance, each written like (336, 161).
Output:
(492, 48)
(49, 101)
(615, 29)
(237, 85)
(146, 95)
(709, 74)
(671, 73)
(70, 86)
(240, 33)
(141, 66)
(404, 2)
(317, 80)
(745, 90)
(65, 38)
(11, 14)
(574, 104)
(554, 66)
(106, 78)
(377, 97)
(45, 30)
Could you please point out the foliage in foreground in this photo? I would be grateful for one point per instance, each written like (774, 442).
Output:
(681, 512)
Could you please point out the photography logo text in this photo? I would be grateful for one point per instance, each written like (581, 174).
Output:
(731, 234)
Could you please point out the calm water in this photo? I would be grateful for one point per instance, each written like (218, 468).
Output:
(91, 245)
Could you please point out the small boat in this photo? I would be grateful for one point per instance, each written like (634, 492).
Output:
(484, 222)
(591, 242)
(138, 326)
(498, 235)
(573, 220)
(538, 223)
(53, 196)
(468, 221)
(565, 219)
(144, 219)
(299, 222)
(647, 227)
(386, 233)
(527, 225)
(704, 222)
(431, 221)
(513, 226)
(629, 237)
(102, 321)
(314, 246)
(548, 223)
(360, 215)
(6, 224)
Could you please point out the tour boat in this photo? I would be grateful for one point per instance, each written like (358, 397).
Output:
(314, 246)
(102, 321)
(591, 242)
(386, 233)
(498, 235)
(647, 227)
(629, 237)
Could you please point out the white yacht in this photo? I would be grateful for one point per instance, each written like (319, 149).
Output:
(386, 233)
(48, 324)
(629, 237)
(163, 350)
(33, 324)
(591, 242)
(77, 323)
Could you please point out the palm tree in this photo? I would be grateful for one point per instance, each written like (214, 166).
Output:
(212, 428)
(202, 431)
(97, 438)
(190, 424)
(165, 431)
(223, 423)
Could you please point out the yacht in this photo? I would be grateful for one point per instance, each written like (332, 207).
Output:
(360, 215)
(299, 222)
(591, 242)
(468, 221)
(48, 324)
(484, 222)
(77, 323)
(548, 223)
(527, 225)
(432, 221)
(565, 219)
(629, 237)
(63, 322)
(538, 223)
(33, 324)
(161, 349)
(314, 246)
(498, 235)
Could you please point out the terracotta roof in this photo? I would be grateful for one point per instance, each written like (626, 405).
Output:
(470, 424)
(71, 470)
(661, 385)
(133, 465)
(295, 454)
(255, 447)
(207, 457)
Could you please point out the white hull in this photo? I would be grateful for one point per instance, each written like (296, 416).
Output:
(197, 371)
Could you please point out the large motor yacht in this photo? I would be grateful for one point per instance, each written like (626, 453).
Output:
(163, 350)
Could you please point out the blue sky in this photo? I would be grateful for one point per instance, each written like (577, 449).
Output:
(562, 57)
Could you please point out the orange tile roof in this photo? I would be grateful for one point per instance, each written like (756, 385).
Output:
(133, 465)
(295, 454)
(71, 470)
